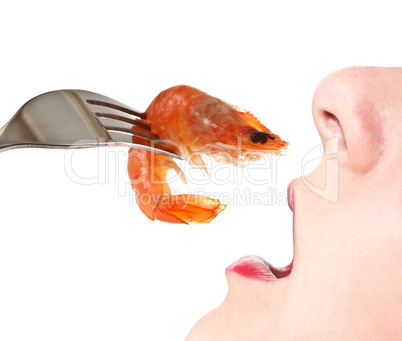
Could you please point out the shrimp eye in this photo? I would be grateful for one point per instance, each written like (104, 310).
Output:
(260, 137)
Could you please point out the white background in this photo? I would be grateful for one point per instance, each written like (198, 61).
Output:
(81, 262)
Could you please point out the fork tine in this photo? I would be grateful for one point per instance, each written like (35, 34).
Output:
(117, 107)
(136, 139)
(133, 132)
(132, 136)
(124, 119)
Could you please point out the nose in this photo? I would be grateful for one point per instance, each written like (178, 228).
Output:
(352, 104)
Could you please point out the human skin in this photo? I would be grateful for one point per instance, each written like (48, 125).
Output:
(346, 280)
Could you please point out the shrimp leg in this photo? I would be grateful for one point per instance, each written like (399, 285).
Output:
(148, 173)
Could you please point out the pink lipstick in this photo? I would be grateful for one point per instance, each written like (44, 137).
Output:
(254, 267)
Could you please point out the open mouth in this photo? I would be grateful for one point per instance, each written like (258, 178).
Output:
(257, 268)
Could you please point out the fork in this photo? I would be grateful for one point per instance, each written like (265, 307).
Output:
(79, 119)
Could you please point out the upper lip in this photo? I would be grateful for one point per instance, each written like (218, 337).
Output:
(290, 195)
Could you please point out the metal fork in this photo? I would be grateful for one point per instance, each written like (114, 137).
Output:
(79, 119)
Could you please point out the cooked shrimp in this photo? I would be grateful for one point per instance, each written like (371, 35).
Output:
(194, 123)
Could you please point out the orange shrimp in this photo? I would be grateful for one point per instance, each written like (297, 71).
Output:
(194, 123)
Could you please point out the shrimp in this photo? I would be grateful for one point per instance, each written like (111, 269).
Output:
(194, 123)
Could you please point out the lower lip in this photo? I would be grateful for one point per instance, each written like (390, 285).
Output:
(256, 268)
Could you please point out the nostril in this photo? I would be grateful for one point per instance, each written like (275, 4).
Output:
(333, 126)
(332, 121)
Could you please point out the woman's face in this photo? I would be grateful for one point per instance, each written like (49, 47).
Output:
(346, 280)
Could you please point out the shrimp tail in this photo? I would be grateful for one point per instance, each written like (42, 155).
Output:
(148, 175)
(188, 208)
